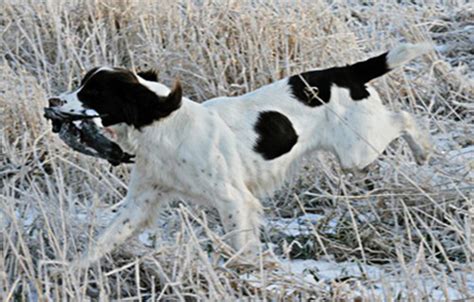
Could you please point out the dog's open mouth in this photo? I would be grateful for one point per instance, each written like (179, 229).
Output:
(82, 134)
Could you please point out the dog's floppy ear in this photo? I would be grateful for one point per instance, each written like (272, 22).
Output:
(176, 94)
(143, 106)
(149, 75)
(174, 98)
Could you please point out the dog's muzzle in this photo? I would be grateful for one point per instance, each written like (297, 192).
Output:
(81, 134)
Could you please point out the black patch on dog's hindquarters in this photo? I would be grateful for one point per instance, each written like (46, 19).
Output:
(353, 77)
(276, 135)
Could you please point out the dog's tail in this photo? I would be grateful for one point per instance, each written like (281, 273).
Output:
(406, 52)
(377, 66)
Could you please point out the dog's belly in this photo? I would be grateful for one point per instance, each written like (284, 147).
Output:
(263, 177)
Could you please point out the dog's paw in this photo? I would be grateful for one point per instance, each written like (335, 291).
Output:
(423, 153)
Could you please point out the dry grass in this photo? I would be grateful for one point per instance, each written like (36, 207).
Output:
(412, 223)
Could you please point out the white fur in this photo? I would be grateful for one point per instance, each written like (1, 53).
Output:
(204, 153)
(406, 52)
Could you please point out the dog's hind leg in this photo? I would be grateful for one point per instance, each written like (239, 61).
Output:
(358, 146)
(240, 214)
(417, 140)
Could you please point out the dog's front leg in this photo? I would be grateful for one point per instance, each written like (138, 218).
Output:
(138, 210)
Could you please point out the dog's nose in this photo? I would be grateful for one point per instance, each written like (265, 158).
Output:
(54, 102)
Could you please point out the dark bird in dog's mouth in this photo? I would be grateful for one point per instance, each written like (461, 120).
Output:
(81, 134)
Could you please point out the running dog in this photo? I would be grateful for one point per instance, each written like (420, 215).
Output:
(229, 151)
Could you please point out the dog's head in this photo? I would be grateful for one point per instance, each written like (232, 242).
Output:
(114, 96)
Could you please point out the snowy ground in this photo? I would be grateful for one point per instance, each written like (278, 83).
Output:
(400, 232)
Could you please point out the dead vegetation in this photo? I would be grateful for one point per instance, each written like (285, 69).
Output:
(407, 229)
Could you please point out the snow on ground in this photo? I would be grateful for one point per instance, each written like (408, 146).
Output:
(300, 226)
(358, 277)
(363, 278)
(355, 278)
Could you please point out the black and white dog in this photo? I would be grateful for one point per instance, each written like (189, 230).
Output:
(229, 151)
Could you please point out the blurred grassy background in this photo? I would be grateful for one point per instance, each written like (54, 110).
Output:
(412, 223)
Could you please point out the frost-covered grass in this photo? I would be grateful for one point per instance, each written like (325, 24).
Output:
(402, 232)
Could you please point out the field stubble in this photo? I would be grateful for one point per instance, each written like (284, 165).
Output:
(401, 232)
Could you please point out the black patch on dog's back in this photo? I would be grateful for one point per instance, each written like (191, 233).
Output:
(353, 77)
(276, 135)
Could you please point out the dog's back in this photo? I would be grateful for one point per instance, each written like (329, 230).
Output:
(332, 109)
